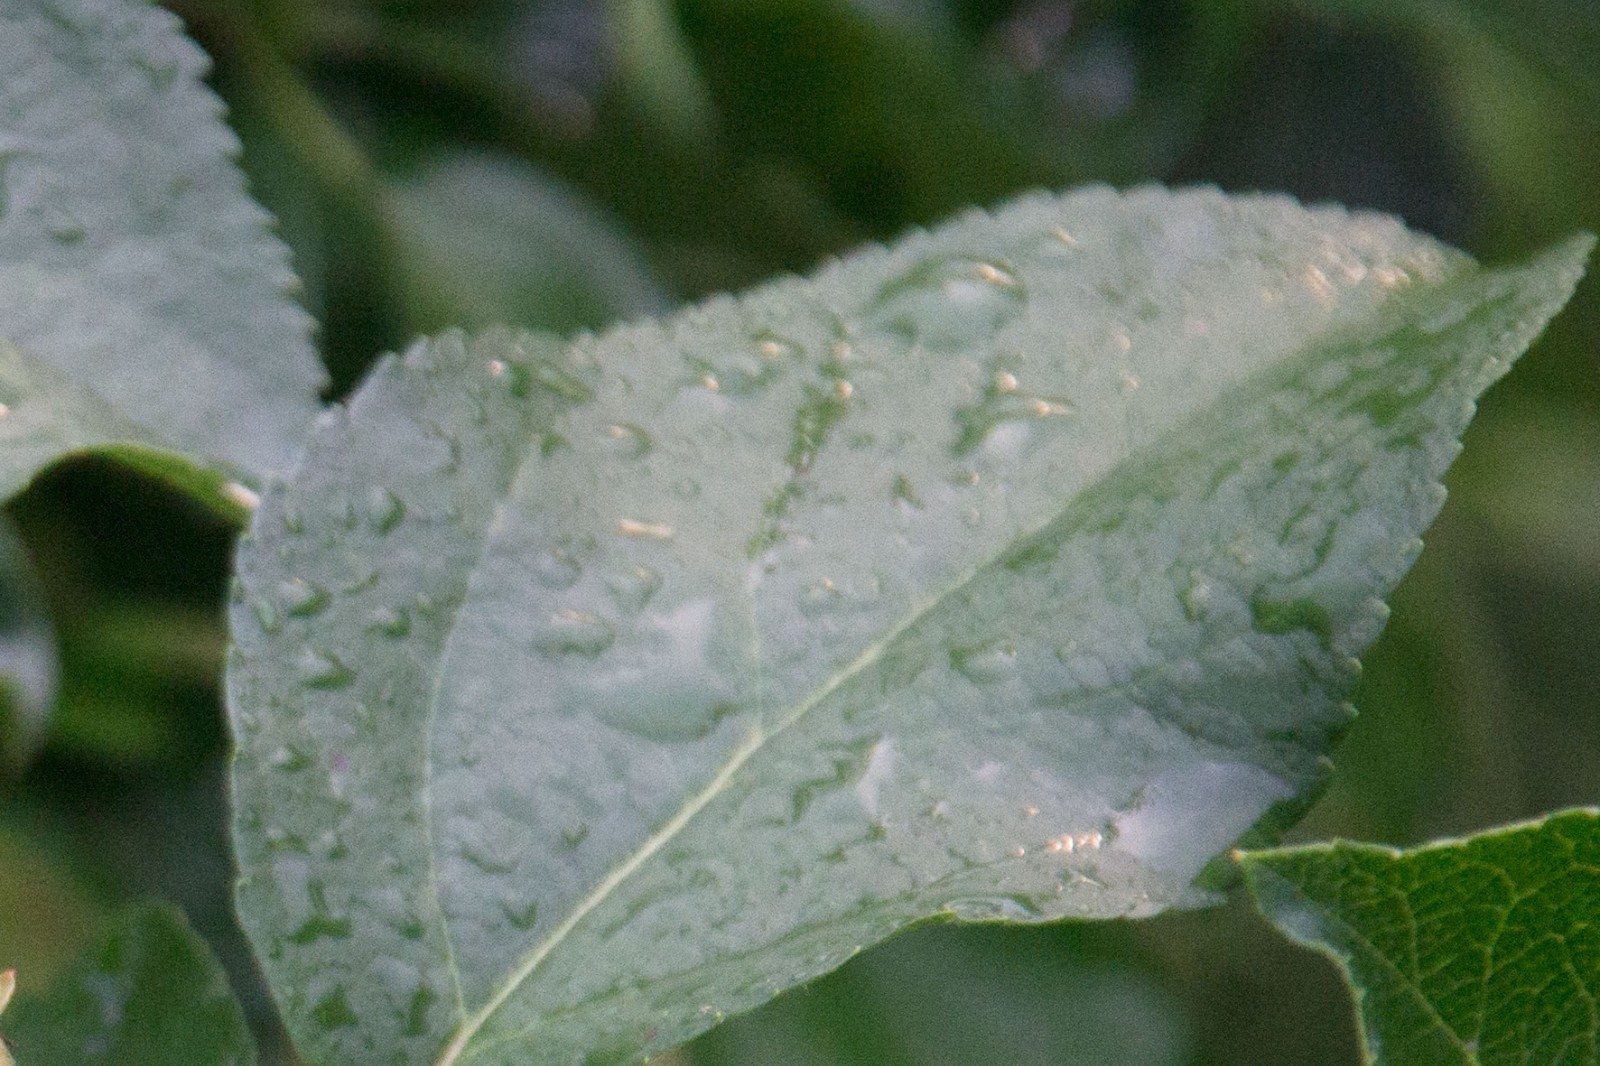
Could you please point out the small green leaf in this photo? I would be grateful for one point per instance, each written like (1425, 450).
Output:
(148, 992)
(143, 301)
(586, 692)
(1468, 953)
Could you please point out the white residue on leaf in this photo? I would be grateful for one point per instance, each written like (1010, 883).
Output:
(880, 766)
(1191, 812)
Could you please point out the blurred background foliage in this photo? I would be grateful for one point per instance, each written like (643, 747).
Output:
(565, 163)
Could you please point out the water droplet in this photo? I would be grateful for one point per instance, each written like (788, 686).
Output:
(574, 633)
(302, 599)
(361, 582)
(333, 1011)
(557, 569)
(627, 441)
(522, 914)
(771, 346)
(904, 492)
(63, 226)
(1196, 598)
(487, 861)
(389, 621)
(330, 847)
(992, 909)
(633, 527)
(986, 663)
(289, 760)
(820, 597)
(320, 669)
(267, 615)
(283, 841)
(384, 509)
(950, 302)
(635, 588)
(321, 927)
(1004, 400)
(735, 373)
(422, 1002)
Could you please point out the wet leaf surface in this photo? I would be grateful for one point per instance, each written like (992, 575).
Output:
(144, 304)
(587, 692)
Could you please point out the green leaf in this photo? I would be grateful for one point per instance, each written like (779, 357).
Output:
(488, 240)
(1558, 37)
(1469, 952)
(585, 692)
(143, 302)
(148, 992)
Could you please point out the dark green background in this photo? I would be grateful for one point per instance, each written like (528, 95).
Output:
(718, 142)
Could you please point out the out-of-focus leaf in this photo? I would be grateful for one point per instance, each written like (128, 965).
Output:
(1471, 952)
(45, 913)
(1559, 37)
(144, 305)
(904, 123)
(953, 997)
(148, 992)
(1010, 573)
(28, 671)
(489, 239)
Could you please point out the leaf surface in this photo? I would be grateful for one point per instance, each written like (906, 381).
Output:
(588, 691)
(1467, 953)
(29, 671)
(143, 300)
(149, 991)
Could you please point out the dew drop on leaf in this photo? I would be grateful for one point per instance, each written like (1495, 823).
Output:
(384, 509)
(633, 589)
(574, 633)
(302, 599)
(991, 909)
(389, 621)
(320, 669)
(950, 302)
(985, 664)
(627, 441)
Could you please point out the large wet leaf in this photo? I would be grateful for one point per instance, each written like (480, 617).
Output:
(1476, 951)
(148, 991)
(144, 304)
(586, 692)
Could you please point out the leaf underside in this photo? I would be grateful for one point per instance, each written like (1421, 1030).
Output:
(144, 305)
(1467, 953)
(588, 691)
(149, 991)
